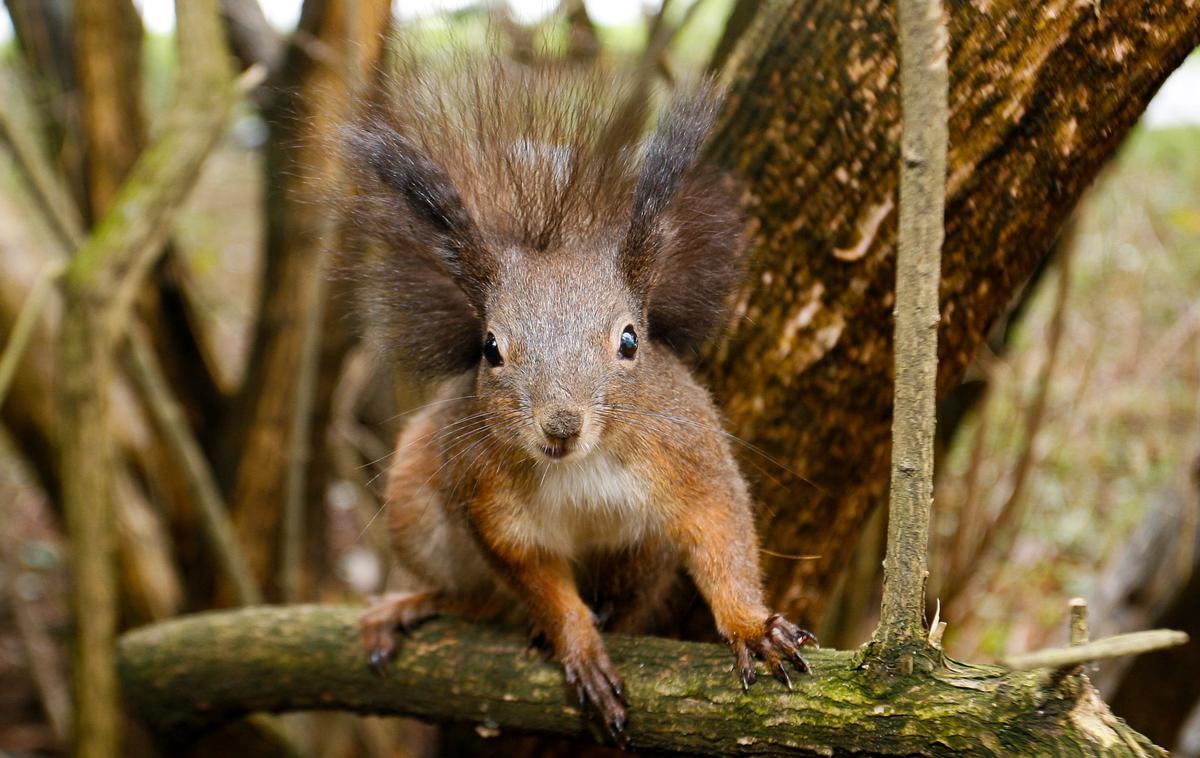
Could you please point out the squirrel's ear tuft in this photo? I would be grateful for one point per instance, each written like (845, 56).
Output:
(416, 208)
(421, 268)
(682, 253)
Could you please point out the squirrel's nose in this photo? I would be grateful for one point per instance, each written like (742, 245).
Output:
(562, 423)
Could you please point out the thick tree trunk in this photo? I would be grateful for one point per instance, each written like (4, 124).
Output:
(179, 676)
(1041, 96)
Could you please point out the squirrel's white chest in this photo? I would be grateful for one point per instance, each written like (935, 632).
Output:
(597, 502)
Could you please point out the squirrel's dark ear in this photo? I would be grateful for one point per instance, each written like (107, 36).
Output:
(682, 252)
(427, 214)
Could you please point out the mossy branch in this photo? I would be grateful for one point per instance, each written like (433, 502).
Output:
(195, 672)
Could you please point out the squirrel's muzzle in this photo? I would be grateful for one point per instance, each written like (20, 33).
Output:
(561, 424)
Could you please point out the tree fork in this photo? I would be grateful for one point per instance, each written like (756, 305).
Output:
(193, 673)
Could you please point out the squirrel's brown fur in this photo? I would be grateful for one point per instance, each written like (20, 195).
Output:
(509, 209)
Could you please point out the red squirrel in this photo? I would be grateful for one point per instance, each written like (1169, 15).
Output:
(548, 276)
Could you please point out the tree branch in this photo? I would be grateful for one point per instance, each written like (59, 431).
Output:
(198, 671)
(924, 84)
(26, 324)
(1117, 646)
(736, 24)
(251, 37)
(214, 514)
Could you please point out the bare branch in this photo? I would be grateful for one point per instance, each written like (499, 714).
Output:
(1117, 646)
(56, 204)
(736, 25)
(251, 37)
(214, 514)
(924, 84)
(27, 320)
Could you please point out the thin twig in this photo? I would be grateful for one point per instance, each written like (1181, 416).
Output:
(48, 192)
(923, 91)
(172, 423)
(47, 669)
(27, 319)
(1117, 646)
(44, 665)
(740, 19)
(960, 552)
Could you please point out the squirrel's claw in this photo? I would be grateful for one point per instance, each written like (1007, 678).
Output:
(601, 690)
(780, 639)
(744, 664)
(782, 675)
(379, 659)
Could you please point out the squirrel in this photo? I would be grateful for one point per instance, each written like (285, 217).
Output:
(548, 274)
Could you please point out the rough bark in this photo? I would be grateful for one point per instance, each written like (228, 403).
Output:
(179, 676)
(1040, 98)
(309, 102)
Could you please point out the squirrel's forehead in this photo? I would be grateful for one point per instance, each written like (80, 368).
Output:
(583, 273)
(561, 292)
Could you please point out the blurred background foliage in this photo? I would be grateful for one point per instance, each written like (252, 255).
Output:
(1082, 429)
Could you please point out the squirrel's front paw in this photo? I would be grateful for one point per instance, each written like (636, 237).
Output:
(598, 685)
(780, 639)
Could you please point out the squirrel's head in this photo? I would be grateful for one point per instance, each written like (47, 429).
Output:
(559, 267)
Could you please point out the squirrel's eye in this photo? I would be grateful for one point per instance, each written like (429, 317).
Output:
(628, 347)
(491, 350)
